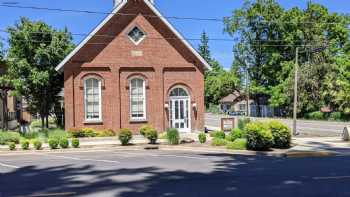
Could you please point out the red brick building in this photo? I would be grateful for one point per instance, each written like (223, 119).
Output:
(134, 69)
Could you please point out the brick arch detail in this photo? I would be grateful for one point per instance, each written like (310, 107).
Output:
(93, 75)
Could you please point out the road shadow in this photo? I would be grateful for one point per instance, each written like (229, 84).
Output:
(230, 176)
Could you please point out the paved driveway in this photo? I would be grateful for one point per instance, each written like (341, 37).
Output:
(305, 127)
(168, 173)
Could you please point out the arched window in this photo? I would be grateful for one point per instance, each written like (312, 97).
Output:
(137, 99)
(92, 99)
(178, 92)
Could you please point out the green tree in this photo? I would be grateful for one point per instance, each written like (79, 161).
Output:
(218, 82)
(35, 48)
(269, 36)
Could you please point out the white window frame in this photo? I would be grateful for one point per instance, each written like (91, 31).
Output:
(189, 129)
(93, 120)
(133, 41)
(144, 118)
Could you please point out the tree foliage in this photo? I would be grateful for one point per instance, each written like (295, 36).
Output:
(268, 37)
(218, 82)
(35, 48)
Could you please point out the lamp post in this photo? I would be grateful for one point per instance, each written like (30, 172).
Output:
(295, 107)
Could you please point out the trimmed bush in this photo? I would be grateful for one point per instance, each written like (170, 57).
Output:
(88, 132)
(25, 144)
(125, 136)
(105, 133)
(37, 144)
(202, 138)
(173, 136)
(242, 122)
(218, 134)
(30, 135)
(53, 143)
(12, 146)
(282, 136)
(238, 144)
(75, 143)
(64, 143)
(337, 116)
(259, 137)
(152, 135)
(317, 115)
(234, 134)
(218, 142)
(57, 134)
(144, 129)
(76, 133)
(6, 137)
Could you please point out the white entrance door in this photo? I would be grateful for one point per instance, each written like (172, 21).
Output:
(180, 110)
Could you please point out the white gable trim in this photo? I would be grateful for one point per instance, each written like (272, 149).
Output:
(109, 17)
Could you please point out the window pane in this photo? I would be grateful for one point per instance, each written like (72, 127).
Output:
(92, 98)
(137, 98)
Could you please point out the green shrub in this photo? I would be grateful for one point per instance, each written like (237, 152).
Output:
(12, 146)
(337, 116)
(64, 143)
(259, 137)
(88, 132)
(144, 129)
(6, 137)
(53, 143)
(218, 134)
(25, 144)
(202, 138)
(235, 134)
(76, 133)
(35, 124)
(173, 136)
(105, 133)
(37, 144)
(282, 136)
(152, 135)
(242, 122)
(75, 143)
(30, 135)
(125, 136)
(57, 134)
(317, 115)
(238, 144)
(218, 142)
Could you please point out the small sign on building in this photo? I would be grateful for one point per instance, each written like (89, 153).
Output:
(227, 124)
(346, 136)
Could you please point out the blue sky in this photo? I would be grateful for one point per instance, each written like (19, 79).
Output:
(84, 23)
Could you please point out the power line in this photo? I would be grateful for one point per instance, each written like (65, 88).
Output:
(156, 16)
(172, 38)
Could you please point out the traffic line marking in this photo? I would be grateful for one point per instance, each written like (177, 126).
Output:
(9, 166)
(50, 194)
(331, 177)
(82, 159)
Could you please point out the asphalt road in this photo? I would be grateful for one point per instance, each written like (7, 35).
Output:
(168, 173)
(306, 128)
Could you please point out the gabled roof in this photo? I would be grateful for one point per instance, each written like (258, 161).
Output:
(110, 16)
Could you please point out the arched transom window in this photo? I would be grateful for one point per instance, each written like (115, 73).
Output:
(137, 99)
(92, 99)
(178, 92)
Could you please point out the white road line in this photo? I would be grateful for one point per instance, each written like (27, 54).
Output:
(9, 166)
(331, 177)
(82, 159)
(161, 155)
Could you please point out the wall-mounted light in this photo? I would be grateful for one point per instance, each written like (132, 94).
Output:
(194, 105)
(166, 105)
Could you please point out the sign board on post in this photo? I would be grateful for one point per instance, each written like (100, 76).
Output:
(227, 124)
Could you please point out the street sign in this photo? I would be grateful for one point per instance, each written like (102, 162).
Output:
(227, 124)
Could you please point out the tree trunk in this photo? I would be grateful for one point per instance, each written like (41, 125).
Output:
(42, 121)
(5, 112)
(47, 121)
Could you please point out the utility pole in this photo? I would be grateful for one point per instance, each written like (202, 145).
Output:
(295, 107)
(247, 92)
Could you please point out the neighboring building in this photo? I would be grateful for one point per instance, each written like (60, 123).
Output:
(234, 102)
(12, 109)
(134, 69)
